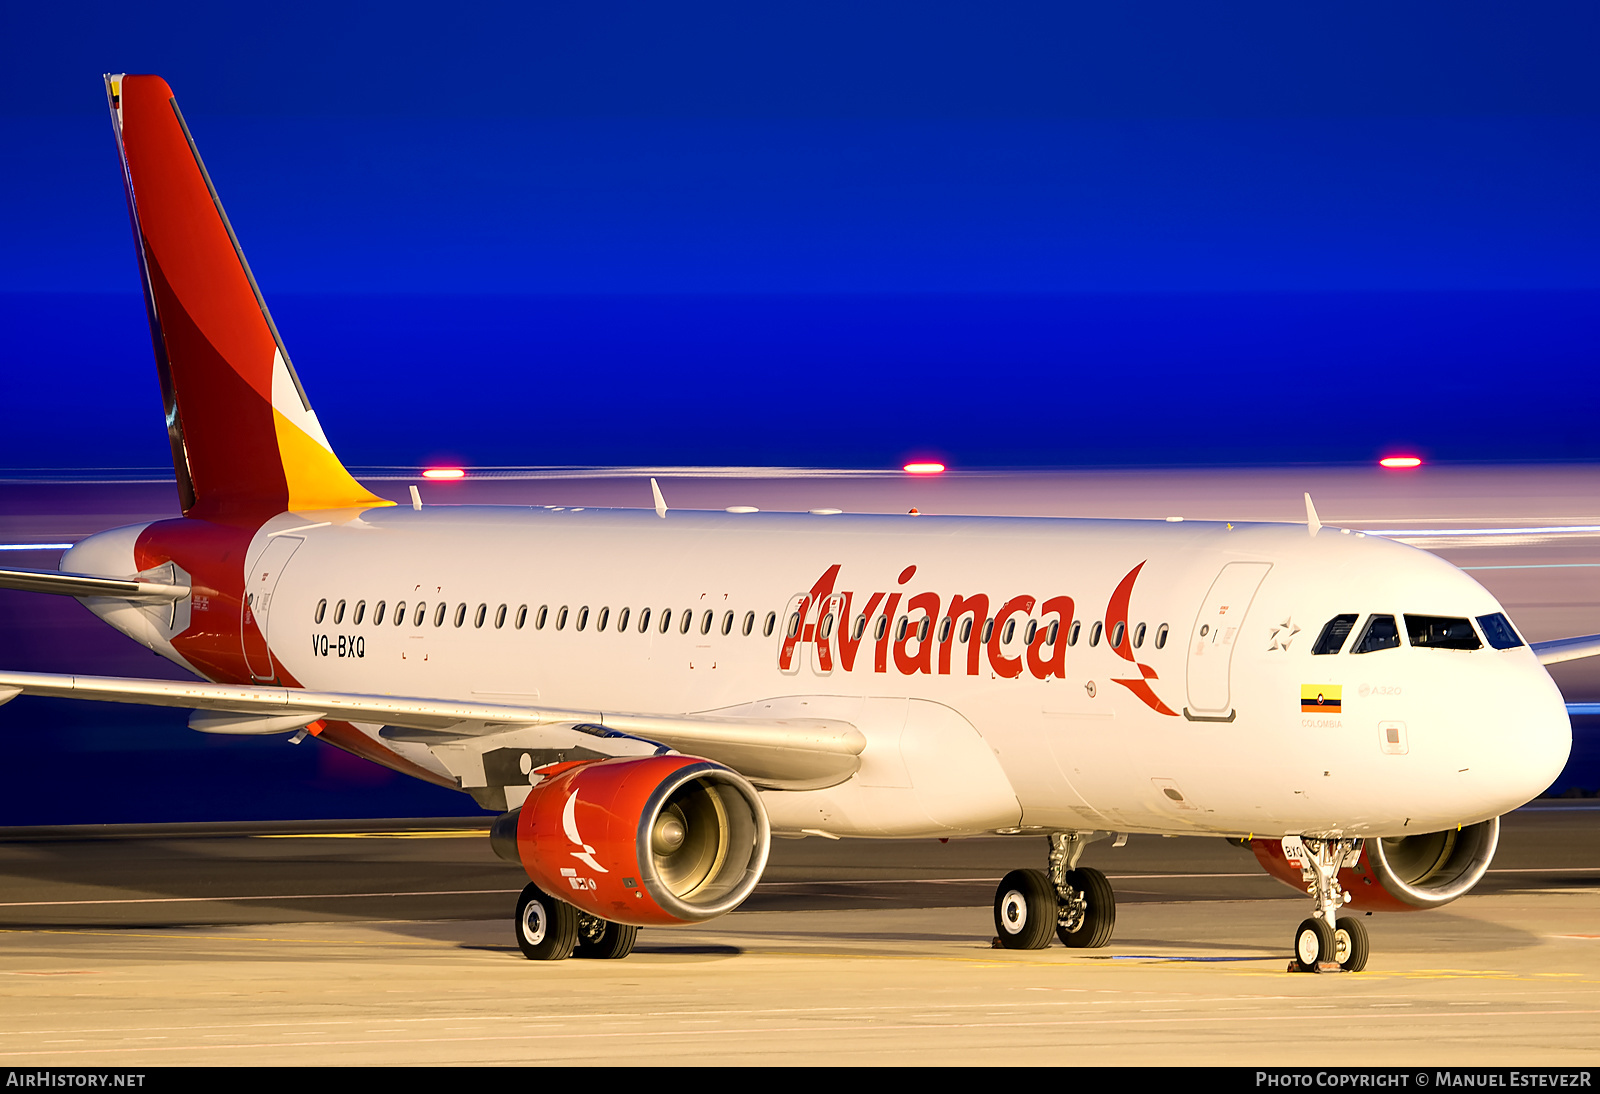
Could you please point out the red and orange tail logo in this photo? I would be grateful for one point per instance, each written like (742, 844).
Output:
(245, 440)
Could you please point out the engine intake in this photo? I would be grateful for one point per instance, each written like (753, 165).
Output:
(1403, 873)
(645, 841)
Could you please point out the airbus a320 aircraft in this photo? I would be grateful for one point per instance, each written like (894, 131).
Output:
(648, 697)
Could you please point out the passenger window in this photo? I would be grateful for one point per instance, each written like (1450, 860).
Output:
(772, 621)
(1033, 629)
(900, 631)
(1010, 632)
(1438, 632)
(1161, 637)
(1073, 632)
(561, 618)
(622, 620)
(923, 628)
(687, 621)
(500, 617)
(480, 615)
(988, 630)
(1337, 629)
(1095, 632)
(1497, 629)
(438, 614)
(1055, 628)
(338, 612)
(522, 616)
(749, 623)
(541, 617)
(583, 617)
(794, 624)
(461, 614)
(361, 610)
(705, 623)
(825, 630)
(881, 629)
(322, 606)
(966, 629)
(1138, 636)
(727, 623)
(666, 619)
(644, 620)
(1116, 635)
(1380, 634)
(421, 613)
(377, 613)
(400, 614)
(600, 622)
(944, 630)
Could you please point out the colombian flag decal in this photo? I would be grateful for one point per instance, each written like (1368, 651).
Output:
(1320, 698)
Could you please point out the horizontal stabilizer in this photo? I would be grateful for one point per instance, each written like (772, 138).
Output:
(51, 581)
(1566, 649)
(777, 753)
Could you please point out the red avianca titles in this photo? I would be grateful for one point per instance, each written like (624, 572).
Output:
(644, 697)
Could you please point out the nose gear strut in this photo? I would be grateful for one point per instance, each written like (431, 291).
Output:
(1323, 942)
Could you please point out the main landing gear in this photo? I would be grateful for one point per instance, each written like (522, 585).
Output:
(1075, 903)
(1325, 943)
(552, 930)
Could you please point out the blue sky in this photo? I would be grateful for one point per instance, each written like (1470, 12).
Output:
(554, 226)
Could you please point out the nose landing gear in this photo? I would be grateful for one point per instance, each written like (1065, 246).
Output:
(1325, 943)
(1076, 903)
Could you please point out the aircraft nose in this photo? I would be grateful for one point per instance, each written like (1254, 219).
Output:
(1529, 735)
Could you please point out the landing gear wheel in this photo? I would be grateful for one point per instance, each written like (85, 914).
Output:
(1025, 910)
(1350, 945)
(547, 928)
(1313, 944)
(1088, 921)
(603, 939)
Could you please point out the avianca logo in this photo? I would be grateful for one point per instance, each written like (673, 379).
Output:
(925, 639)
(569, 822)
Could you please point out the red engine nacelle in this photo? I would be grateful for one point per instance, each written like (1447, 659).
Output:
(645, 841)
(1405, 873)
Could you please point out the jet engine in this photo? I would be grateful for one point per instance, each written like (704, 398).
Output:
(644, 841)
(1402, 873)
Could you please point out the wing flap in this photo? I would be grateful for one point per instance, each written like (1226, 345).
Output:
(776, 753)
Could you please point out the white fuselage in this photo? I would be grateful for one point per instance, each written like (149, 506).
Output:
(1197, 729)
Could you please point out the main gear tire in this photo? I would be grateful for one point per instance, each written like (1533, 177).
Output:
(1024, 910)
(547, 928)
(604, 940)
(1088, 926)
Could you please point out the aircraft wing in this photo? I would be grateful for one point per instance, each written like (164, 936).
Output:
(53, 581)
(1566, 649)
(777, 753)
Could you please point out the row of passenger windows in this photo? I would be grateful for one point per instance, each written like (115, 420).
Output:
(579, 618)
(708, 621)
(1436, 632)
(1030, 630)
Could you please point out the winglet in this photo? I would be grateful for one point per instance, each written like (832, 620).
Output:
(1313, 523)
(661, 502)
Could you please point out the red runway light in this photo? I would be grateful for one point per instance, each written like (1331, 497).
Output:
(444, 473)
(929, 468)
(1400, 461)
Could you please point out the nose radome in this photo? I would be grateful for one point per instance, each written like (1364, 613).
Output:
(1530, 735)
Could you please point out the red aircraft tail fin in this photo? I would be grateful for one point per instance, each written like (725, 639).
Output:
(245, 440)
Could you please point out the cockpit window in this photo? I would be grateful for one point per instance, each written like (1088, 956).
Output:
(1497, 629)
(1380, 634)
(1331, 640)
(1438, 632)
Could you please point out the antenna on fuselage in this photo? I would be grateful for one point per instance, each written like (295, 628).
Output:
(661, 502)
(416, 498)
(1313, 522)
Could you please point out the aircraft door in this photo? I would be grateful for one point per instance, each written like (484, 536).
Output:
(1211, 644)
(260, 583)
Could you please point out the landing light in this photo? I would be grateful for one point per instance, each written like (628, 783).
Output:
(1400, 461)
(924, 468)
(444, 473)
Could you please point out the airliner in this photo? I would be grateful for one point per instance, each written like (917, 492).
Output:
(647, 697)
